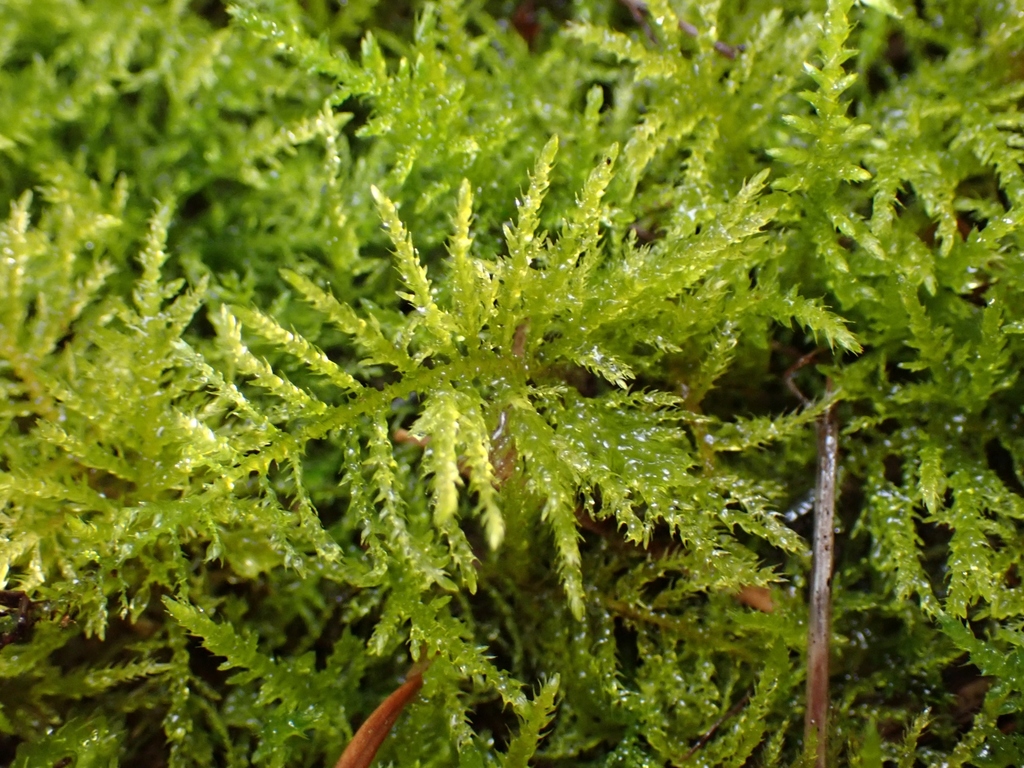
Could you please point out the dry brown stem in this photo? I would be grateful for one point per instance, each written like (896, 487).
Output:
(820, 624)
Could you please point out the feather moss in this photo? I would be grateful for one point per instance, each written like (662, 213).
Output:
(335, 336)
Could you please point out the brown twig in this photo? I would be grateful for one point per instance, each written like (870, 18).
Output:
(820, 625)
(361, 751)
(710, 732)
(819, 631)
(24, 618)
(729, 51)
(791, 372)
(638, 10)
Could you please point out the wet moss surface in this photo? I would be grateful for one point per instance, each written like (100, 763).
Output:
(337, 336)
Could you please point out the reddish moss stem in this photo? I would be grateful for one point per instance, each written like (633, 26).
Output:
(361, 751)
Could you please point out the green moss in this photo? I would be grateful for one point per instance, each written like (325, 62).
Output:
(328, 336)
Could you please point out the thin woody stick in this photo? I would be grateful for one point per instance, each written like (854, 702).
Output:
(820, 625)
(638, 8)
(707, 736)
(725, 49)
(819, 631)
(24, 618)
(361, 751)
(791, 372)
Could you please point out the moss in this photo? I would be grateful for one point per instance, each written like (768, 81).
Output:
(330, 335)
